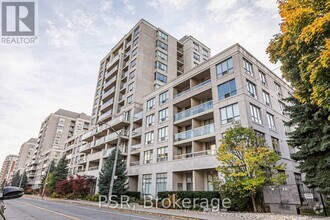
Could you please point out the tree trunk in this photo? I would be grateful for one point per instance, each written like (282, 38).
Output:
(254, 203)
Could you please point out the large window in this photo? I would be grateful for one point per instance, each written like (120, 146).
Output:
(161, 182)
(162, 35)
(161, 55)
(162, 154)
(248, 67)
(205, 53)
(131, 87)
(196, 56)
(135, 41)
(146, 184)
(227, 89)
(130, 99)
(189, 181)
(163, 97)
(162, 45)
(266, 98)
(149, 137)
(161, 66)
(163, 115)
(255, 113)
(229, 114)
(133, 63)
(151, 103)
(163, 134)
(278, 89)
(196, 46)
(271, 121)
(252, 89)
(150, 120)
(136, 31)
(282, 107)
(134, 52)
(147, 157)
(262, 77)
(225, 67)
(276, 145)
(160, 77)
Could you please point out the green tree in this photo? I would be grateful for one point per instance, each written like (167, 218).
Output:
(120, 183)
(16, 179)
(311, 137)
(248, 164)
(303, 48)
(24, 180)
(60, 173)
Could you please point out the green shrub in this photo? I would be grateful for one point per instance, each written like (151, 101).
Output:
(135, 195)
(54, 195)
(209, 195)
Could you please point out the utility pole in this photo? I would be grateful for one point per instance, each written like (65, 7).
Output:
(20, 182)
(45, 183)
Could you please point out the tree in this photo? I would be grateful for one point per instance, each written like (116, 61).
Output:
(120, 183)
(312, 139)
(63, 187)
(24, 180)
(60, 173)
(81, 186)
(303, 48)
(247, 163)
(16, 179)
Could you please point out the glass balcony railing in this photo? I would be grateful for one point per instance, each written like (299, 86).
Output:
(193, 111)
(108, 92)
(110, 82)
(138, 116)
(112, 61)
(196, 132)
(107, 104)
(195, 154)
(105, 115)
(193, 88)
(108, 74)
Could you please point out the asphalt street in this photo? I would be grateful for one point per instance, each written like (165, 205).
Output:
(31, 209)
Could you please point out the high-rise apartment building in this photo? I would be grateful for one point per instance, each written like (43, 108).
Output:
(7, 170)
(54, 131)
(171, 102)
(25, 155)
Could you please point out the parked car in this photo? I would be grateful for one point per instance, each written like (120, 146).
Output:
(9, 192)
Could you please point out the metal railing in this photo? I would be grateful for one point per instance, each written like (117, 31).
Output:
(193, 88)
(207, 129)
(194, 110)
(195, 154)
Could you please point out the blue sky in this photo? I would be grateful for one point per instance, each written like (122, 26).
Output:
(73, 36)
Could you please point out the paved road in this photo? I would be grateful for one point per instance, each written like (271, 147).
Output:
(31, 209)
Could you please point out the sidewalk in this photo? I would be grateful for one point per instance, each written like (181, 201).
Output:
(187, 214)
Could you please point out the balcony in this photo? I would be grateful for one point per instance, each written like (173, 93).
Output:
(110, 82)
(138, 116)
(105, 116)
(135, 148)
(93, 168)
(109, 74)
(108, 93)
(106, 104)
(113, 61)
(119, 122)
(137, 132)
(95, 156)
(99, 142)
(113, 136)
(121, 98)
(88, 135)
(134, 163)
(193, 111)
(192, 88)
(82, 160)
(86, 147)
(195, 154)
(194, 133)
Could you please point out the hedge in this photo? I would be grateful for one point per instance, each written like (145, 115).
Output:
(132, 194)
(191, 194)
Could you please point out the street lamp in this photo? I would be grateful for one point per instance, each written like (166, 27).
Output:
(115, 162)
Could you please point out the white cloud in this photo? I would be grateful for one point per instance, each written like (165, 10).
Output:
(169, 4)
(60, 37)
(129, 7)
(106, 5)
(219, 8)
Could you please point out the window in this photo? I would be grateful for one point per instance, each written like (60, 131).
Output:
(212, 177)
(282, 107)
(163, 134)
(135, 41)
(130, 99)
(276, 145)
(130, 87)
(205, 53)
(162, 35)
(132, 74)
(133, 63)
(162, 55)
(161, 77)
(195, 46)
(252, 89)
(146, 184)
(189, 181)
(248, 67)
(161, 182)
(225, 67)
(255, 113)
(150, 120)
(227, 89)
(162, 154)
(147, 157)
(163, 97)
(136, 31)
(262, 77)
(229, 114)
(196, 56)
(134, 52)
(151, 103)
(161, 66)
(271, 121)
(287, 128)
(149, 137)
(278, 89)
(163, 114)
(161, 45)
(266, 98)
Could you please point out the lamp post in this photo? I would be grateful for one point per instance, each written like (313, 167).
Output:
(115, 162)
(45, 183)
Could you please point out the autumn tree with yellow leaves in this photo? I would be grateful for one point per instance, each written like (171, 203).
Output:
(248, 164)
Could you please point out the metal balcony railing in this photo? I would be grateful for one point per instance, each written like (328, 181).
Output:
(193, 111)
(196, 132)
